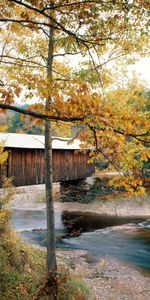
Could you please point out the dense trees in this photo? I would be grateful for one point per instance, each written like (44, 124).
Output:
(16, 123)
(42, 45)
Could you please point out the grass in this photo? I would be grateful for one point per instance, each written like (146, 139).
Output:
(21, 268)
(70, 286)
(22, 272)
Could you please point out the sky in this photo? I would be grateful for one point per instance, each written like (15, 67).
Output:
(142, 67)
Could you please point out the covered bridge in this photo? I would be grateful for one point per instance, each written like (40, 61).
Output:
(25, 163)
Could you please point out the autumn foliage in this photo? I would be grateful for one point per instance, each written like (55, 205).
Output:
(94, 42)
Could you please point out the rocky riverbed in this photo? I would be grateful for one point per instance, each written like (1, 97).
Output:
(109, 279)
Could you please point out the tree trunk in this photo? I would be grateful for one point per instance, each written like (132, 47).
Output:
(51, 253)
(51, 256)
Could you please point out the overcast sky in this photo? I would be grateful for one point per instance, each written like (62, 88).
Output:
(143, 69)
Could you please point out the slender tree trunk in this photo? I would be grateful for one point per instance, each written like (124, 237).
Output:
(51, 253)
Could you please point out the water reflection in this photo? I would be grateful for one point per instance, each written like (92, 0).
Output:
(86, 222)
(127, 239)
(116, 237)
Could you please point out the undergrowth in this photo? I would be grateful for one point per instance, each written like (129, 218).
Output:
(23, 267)
(22, 273)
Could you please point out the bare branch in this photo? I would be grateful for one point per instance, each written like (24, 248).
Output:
(70, 4)
(67, 53)
(3, 49)
(20, 59)
(23, 22)
(19, 64)
(1, 83)
(70, 139)
(100, 150)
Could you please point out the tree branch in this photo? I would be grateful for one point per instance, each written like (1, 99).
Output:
(100, 150)
(70, 4)
(78, 38)
(67, 53)
(20, 59)
(69, 139)
(37, 115)
(135, 136)
(4, 20)
(20, 65)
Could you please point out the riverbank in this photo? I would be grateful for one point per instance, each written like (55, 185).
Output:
(109, 279)
(23, 273)
(114, 204)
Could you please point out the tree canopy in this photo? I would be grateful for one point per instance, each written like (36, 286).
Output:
(63, 58)
(88, 36)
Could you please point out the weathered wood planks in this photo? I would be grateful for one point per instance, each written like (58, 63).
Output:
(26, 166)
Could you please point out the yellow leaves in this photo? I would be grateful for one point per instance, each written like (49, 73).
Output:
(144, 154)
(3, 128)
(14, 28)
(7, 95)
(22, 47)
(62, 129)
(25, 15)
(119, 109)
(6, 8)
(144, 3)
(131, 184)
(144, 157)
(3, 155)
(3, 217)
(7, 191)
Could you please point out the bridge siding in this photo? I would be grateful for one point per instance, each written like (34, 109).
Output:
(26, 166)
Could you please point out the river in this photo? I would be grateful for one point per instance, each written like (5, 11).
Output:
(126, 239)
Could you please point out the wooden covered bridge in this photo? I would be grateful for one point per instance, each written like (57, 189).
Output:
(25, 163)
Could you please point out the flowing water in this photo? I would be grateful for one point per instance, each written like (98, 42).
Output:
(123, 238)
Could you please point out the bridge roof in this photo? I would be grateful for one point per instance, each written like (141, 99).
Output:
(30, 141)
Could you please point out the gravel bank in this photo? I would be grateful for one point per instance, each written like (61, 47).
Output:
(108, 278)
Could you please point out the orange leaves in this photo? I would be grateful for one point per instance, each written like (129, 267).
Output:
(6, 95)
(145, 154)
(145, 4)
(101, 31)
(3, 155)
(130, 183)
(24, 15)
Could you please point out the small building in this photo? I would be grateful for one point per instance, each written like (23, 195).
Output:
(25, 163)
